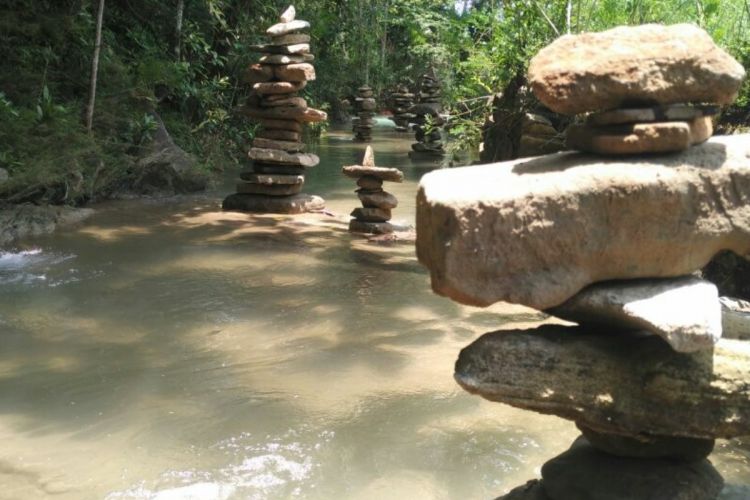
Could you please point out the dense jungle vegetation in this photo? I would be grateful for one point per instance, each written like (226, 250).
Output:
(183, 60)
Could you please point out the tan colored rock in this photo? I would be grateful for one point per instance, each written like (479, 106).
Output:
(535, 232)
(647, 446)
(664, 137)
(304, 115)
(360, 226)
(281, 135)
(293, 102)
(289, 147)
(613, 383)
(685, 312)
(268, 189)
(369, 182)
(630, 64)
(270, 179)
(291, 39)
(286, 28)
(735, 318)
(295, 204)
(382, 173)
(275, 156)
(666, 113)
(279, 87)
(291, 49)
(367, 214)
(278, 59)
(303, 72)
(258, 73)
(288, 15)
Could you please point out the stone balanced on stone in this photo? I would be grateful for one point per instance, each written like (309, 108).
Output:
(364, 105)
(279, 161)
(428, 120)
(611, 244)
(377, 204)
(401, 102)
(654, 92)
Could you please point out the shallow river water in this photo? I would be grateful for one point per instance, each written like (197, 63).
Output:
(168, 350)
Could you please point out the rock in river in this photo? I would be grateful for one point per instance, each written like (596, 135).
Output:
(535, 232)
(613, 382)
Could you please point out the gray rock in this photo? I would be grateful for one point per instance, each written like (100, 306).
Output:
(307, 160)
(647, 446)
(295, 204)
(735, 318)
(366, 214)
(288, 146)
(278, 124)
(282, 59)
(647, 64)
(280, 135)
(271, 179)
(286, 28)
(583, 473)
(535, 232)
(4, 176)
(683, 311)
(382, 173)
(297, 113)
(18, 222)
(620, 383)
(295, 72)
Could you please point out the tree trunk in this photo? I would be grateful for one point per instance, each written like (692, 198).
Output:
(178, 30)
(95, 68)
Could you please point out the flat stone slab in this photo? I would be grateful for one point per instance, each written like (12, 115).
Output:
(735, 318)
(359, 226)
(291, 49)
(296, 204)
(583, 473)
(291, 39)
(535, 232)
(288, 15)
(300, 114)
(258, 73)
(289, 147)
(683, 311)
(279, 124)
(286, 28)
(639, 138)
(279, 135)
(270, 179)
(283, 100)
(306, 160)
(371, 214)
(669, 112)
(382, 173)
(268, 189)
(651, 64)
(278, 59)
(295, 72)
(279, 87)
(613, 383)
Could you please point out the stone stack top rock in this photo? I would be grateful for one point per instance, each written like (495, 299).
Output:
(626, 66)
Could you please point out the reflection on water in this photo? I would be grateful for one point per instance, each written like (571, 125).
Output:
(169, 350)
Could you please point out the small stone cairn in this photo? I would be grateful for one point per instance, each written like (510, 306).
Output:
(428, 120)
(279, 161)
(377, 204)
(364, 105)
(610, 243)
(401, 102)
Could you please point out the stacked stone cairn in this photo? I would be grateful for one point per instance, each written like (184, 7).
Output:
(612, 244)
(428, 120)
(377, 204)
(401, 102)
(279, 161)
(364, 105)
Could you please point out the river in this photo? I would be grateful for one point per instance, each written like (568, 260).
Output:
(167, 350)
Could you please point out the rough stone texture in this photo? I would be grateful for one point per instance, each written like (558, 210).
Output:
(282, 59)
(279, 87)
(304, 115)
(639, 138)
(286, 28)
(381, 199)
(532, 490)
(283, 100)
(269, 189)
(683, 311)
(275, 156)
(640, 64)
(258, 73)
(735, 318)
(295, 72)
(290, 147)
(272, 123)
(670, 112)
(291, 49)
(296, 204)
(270, 179)
(535, 232)
(583, 473)
(614, 383)
(369, 182)
(382, 173)
(360, 226)
(26, 221)
(288, 15)
(647, 447)
(277, 169)
(291, 39)
(279, 135)
(371, 214)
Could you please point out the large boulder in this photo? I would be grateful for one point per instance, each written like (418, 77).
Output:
(613, 383)
(26, 221)
(652, 305)
(535, 232)
(634, 65)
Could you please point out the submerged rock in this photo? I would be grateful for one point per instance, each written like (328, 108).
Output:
(613, 382)
(634, 64)
(583, 473)
(25, 221)
(535, 232)
(683, 311)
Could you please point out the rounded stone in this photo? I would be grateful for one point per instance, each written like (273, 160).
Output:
(369, 182)
(359, 226)
(371, 214)
(295, 204)
(268, 189)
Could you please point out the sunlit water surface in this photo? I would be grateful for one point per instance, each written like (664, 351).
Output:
(168, 350)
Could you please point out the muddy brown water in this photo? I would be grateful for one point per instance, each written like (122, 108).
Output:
(168, 350)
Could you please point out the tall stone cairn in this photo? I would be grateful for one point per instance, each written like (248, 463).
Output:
(428, 120)
(364, 106)
(648, 374)
(401, 102)
(377, 204)
(279, 161)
